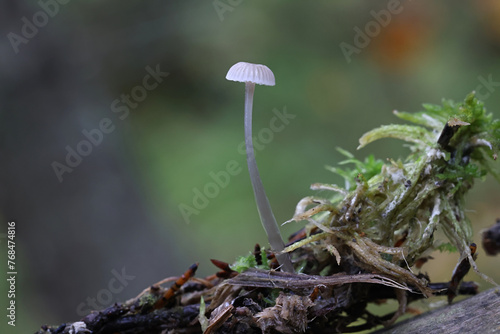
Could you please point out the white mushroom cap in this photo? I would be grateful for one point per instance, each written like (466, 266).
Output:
(248, 72)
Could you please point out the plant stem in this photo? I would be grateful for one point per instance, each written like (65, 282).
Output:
(263, 206)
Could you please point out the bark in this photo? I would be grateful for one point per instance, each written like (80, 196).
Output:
(245, 314)
(478, 314)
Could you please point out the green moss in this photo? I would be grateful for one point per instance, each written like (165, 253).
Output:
(147, 300)
(243, 263)
(451, 146)
(446, 247)
(271, 297)
(368, 168)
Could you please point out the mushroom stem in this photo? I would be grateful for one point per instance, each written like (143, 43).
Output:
(263, 206)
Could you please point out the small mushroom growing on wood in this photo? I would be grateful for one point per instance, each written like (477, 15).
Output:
(252, 74)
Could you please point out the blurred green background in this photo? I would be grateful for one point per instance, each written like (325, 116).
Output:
(119, 208)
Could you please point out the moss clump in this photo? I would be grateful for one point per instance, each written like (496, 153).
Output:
(243, 263)
(403, 202)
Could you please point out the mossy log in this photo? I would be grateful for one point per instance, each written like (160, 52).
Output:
(239, 316)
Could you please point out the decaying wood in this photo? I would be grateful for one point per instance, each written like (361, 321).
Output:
(236, 306)
(478, 314)
(283, 280)
(262, 301)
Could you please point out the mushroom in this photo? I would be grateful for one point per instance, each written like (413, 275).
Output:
(252, 74)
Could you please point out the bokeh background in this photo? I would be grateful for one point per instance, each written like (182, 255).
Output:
(118, 213)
